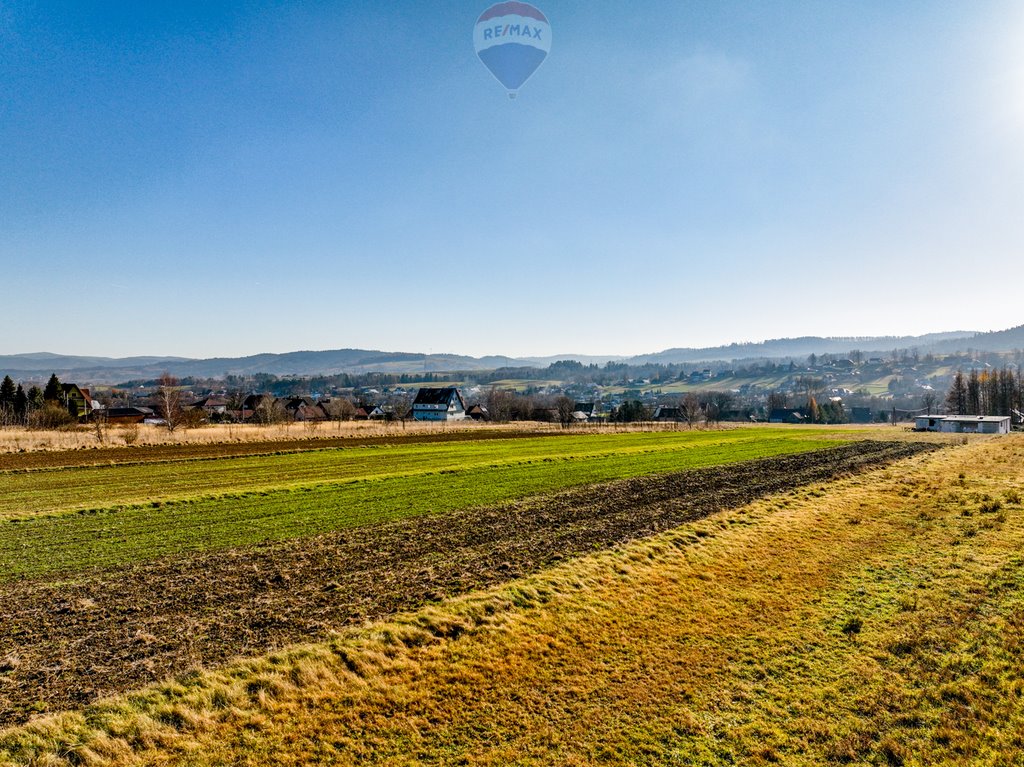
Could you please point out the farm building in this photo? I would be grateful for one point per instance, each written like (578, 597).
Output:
(964, 424)
(439, 404)
(126, 415)
(786, 415)
(662, 413)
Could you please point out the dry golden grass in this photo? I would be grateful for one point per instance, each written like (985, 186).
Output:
(14, 439)
(17, 439)
(875, 620)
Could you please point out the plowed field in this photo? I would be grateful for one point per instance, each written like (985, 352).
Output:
(113, 630)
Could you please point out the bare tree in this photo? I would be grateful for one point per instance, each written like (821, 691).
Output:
(691, 410)
(169, 401)
(340, 408)
(777, 400)
(716, 403)
(236, 402)
(270, 410)
(499, 404)
(956, 399)
(929, 401)
(521, 407)
(397, 408)
(566, 406)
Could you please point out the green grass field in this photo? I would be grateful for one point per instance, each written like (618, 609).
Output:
(71, 519)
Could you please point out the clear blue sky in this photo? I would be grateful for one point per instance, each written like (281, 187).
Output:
(202, 179)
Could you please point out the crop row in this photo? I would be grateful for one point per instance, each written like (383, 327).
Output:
(62, 490)
(66, 543)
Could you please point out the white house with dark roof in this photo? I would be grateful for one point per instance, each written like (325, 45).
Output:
(438, 404)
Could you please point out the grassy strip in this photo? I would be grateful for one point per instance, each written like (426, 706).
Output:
(875, 620)
(55, 491)
(68, 543)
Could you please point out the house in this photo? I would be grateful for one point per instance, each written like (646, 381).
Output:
(252, 402)
(786, 415)
(585, 411)
(663, 413)
(212, 408)
(369, 413)
(211, 405)
(964, 424)
(305, 409)
(128, 415)
(478, 413)
(262, 408)
(79, 401)
(439, 404)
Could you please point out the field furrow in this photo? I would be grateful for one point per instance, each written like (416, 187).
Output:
(113, 630)
(62, 489)
(369, 485)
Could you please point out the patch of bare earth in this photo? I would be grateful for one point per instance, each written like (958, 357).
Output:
(112, 631)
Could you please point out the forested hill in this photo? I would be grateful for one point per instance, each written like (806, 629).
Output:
(307, 363)
(800, 348)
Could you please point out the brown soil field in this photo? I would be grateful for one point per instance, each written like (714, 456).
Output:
(66, 644)
(104, 456)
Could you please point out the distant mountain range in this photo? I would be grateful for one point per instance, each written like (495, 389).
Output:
(102, 370)
(302, 363)
(807, 345)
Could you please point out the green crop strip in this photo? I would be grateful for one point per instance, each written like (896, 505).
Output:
(69, 542)
(56, 491)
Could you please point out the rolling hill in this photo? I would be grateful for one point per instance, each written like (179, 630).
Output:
(39, 365)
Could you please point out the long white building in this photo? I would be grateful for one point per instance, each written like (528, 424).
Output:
(964, 424)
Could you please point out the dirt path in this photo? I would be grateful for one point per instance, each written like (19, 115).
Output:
(67, 645)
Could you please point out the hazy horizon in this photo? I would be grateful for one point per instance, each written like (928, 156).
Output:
(494, 353)
(204, 180)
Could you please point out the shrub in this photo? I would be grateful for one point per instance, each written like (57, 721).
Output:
(130, 433)
(51, 416)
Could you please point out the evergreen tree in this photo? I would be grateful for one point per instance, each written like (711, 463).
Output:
(7, 391)
(36, 399)
(53, 391)
(20, 403)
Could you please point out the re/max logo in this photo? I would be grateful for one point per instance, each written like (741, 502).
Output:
(519, 30)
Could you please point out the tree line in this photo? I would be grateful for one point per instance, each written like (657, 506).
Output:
(45, 408)
(985, 392)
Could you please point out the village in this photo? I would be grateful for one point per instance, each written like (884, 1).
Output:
(828, 389)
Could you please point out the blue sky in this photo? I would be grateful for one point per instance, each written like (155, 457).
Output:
(206, 179)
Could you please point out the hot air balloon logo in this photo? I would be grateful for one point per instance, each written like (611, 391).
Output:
(512, 39)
